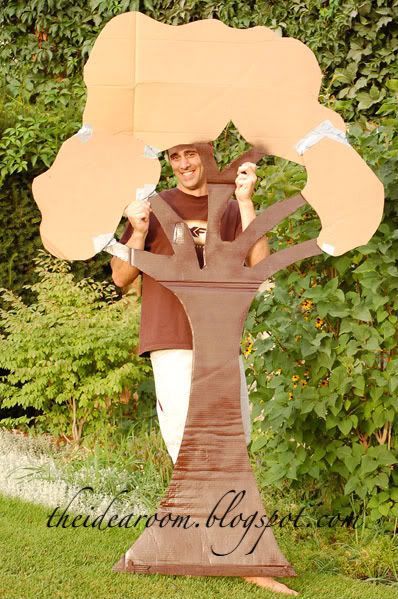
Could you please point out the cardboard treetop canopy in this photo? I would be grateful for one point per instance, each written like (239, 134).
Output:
(150, 87)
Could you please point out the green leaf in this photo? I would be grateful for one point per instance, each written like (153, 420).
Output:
(320, 409)
(387, 329)
(339, 311)
(393, 383)
(368, 464)
(345, 426)
(351, 462)
(384, 509)
(258, 443)
(359, 383)
(351, 485)
(381, 480)
(361, 312)
(392, 84)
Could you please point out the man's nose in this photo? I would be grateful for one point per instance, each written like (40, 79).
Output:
(184, 163)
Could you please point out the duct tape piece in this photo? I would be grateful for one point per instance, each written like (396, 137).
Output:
(151, 152)
(325, 129)
(106, 242)
(178, 235)
(84, 133)
(101, 241)
(142, 193)
(328, 248)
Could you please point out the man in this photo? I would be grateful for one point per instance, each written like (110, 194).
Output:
(165, 331)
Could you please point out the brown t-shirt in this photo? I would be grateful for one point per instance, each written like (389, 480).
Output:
(164, 324)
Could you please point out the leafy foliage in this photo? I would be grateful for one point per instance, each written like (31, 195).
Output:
(44, 43)
(356, 45)
(71, 354)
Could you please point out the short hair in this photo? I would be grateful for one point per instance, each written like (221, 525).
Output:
(166, 152)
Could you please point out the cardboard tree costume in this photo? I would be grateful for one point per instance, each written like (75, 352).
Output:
(268, 86)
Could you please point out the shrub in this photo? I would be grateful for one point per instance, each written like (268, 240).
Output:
(70, 354)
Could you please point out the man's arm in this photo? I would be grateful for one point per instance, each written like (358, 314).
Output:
(245, 183)
(124, 274)
(261, 248)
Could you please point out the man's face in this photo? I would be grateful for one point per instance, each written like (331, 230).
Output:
(187, 167)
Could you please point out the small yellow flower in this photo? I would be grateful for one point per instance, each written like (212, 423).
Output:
(247, 345)
(248, 349)
(295, 386)
(303, 383)
(295, 377)
(319, 323)
(324, 383)
(306, 305)
(290, 395)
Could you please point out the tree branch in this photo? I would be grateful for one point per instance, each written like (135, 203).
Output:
(228, 174)
(265, 221)
(279, 260)
(217, 203)
(157, 266)
(182, 243)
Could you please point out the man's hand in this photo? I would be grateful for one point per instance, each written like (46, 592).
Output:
(138, 214)
(245, 182)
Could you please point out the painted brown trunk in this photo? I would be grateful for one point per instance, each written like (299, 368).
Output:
(213, 482)
(212, 521)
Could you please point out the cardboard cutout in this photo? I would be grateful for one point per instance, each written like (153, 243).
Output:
(268, 86)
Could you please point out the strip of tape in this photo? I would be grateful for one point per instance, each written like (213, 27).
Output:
(84, 133)
(107, 243)
(151, 152)
(324, 129)
(142, 193)
(328, 248)
(178, 235)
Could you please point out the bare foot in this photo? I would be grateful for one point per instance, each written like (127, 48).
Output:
(270, 583)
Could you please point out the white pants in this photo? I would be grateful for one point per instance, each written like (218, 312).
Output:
(172, 369)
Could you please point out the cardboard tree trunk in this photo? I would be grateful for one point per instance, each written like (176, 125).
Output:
(212, 475)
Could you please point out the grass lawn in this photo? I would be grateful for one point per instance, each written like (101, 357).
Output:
(38, 562)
